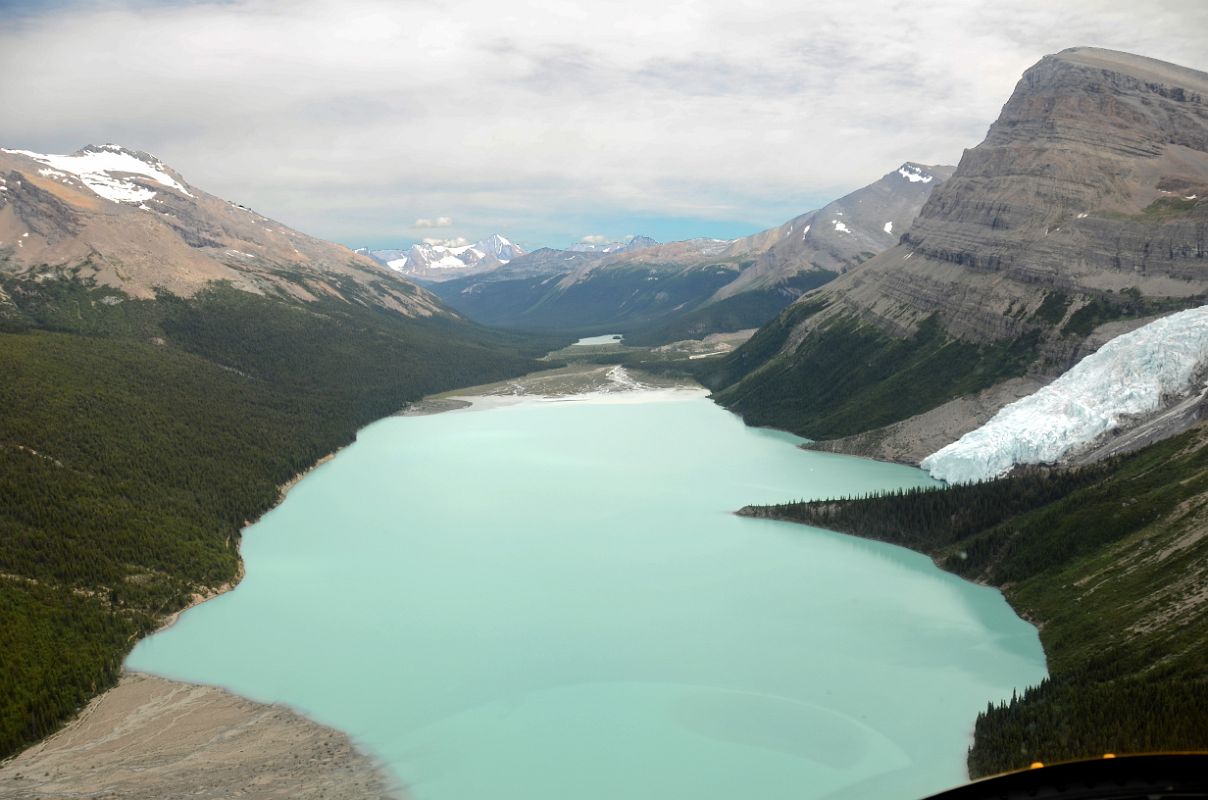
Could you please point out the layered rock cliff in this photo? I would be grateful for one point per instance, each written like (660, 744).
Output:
(1093, 181)
(1086, 205)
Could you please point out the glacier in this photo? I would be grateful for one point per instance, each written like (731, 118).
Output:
(1131, 375)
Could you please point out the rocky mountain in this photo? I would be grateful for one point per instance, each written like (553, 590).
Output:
(552, 261)
(593, 290)
(170, 361)
(662, 292)
(1083, 211)
(841, 234)
(442, 261)
(545, 261)
(1038, 338)
(125, 219)
(636, 243)
(1087, 183)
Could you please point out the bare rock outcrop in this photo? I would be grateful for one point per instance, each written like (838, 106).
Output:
(1094, 180)
(1085, 209)
(125, 219)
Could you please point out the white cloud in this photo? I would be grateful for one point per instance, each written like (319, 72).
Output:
(337, 116)
(594, 238)
(438, 222)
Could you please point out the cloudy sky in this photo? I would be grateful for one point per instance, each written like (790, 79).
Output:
(375, 122)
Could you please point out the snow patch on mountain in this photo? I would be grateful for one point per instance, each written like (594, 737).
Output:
(1132, 375)
(915, 173)
(888, 227)
(430, 255)
(101, 169)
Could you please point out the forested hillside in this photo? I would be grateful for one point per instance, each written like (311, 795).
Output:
(137, 438)
(850, 377)
(620, 297)
(1110, 561)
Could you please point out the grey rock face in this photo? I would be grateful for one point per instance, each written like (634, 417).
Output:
(841, 234)
(1092, 181)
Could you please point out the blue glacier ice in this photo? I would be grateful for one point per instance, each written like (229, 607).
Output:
(1132, 375)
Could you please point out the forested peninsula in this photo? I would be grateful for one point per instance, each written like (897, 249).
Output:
(1108, 562)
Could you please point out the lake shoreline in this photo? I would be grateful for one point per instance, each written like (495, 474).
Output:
(534, 396)
(360, 767)
(356, 772)
(209, 593)
(151, 737)
(579, 379)
(766, 513)
(201, 714)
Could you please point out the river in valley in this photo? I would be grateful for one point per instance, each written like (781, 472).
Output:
(551, 599)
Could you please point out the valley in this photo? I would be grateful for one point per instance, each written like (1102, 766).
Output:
(658, 293)
(906, 490)
(153, 430)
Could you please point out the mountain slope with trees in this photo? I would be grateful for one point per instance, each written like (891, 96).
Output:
(657, 293)
(1081, 216)
(1086, 205)
(1110, 561)
(170, 359)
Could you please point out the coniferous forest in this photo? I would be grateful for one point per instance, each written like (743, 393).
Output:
(1108, 561)
(138, 437)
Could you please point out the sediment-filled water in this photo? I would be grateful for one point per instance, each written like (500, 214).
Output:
(552, 600)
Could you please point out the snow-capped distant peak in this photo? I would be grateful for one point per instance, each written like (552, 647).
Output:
(1125, 378)
(888, 227)
(500, 247)
(105, 169)
(915, 174)
(492, 251)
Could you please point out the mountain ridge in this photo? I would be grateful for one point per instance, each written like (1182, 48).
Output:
(1083, 207)
(125, 219)
(688, 289)
(1052, 196)
(1077, 226)
(170, 360)
(433, 260)
(828, 244)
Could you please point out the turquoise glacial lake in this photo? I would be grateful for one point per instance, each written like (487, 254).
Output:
(552, 600)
